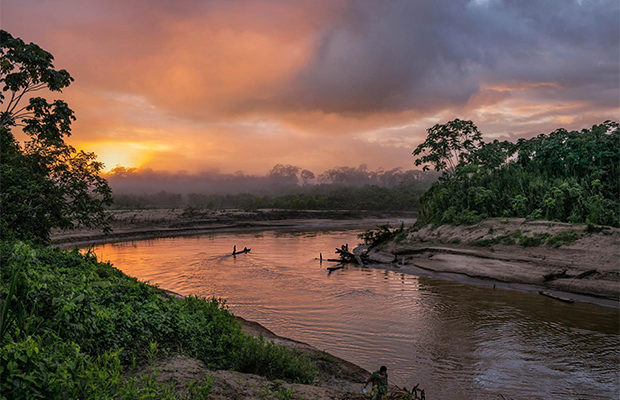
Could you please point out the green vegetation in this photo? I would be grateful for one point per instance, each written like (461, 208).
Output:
(536, 239)
(376, 237)
(564, 176)
(73, 327)
(45, 182)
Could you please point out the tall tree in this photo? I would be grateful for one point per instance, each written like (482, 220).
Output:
(44, 182)
(448, 145)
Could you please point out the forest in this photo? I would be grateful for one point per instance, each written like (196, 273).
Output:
(568, 176)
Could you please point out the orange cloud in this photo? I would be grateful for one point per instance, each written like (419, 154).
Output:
(243, 85)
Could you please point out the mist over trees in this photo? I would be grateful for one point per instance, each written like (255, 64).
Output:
(284, 186)
(280, 177)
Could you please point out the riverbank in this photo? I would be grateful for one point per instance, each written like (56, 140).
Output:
(336, 378)
(530, 255)
(95, 332)
(156, 223)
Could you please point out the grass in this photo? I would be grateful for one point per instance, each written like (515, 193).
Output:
(536, 239)
(562, 238)
(74, 327)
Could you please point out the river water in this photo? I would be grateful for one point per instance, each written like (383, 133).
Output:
(458, 341)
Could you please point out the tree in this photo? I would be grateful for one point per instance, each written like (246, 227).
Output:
(448, 145)
(306, 176)
(284, 175)
(45, 183)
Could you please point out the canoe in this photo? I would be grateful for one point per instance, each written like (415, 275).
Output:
(241, 252)
(556, 297)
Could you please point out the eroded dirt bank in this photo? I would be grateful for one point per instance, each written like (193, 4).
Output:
(547, 255)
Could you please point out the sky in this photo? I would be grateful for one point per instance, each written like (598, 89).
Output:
(225, 86)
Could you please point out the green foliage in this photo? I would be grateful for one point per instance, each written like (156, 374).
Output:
(276, 391)
(448, 146)
(80, 324)
(563, 176)
(46, 367)
(536, 239)
(45, 182)
(381, 235)
(562, 238)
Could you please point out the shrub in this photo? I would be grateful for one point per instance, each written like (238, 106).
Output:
(80, 322)
(562, 238)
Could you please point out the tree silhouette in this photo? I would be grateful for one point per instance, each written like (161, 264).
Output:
(45, 183)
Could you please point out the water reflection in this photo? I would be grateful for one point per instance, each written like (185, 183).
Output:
(456, 340)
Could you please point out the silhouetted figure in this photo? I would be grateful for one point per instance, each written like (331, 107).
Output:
(379, 381)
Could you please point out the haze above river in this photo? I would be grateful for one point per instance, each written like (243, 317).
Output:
(458, 341)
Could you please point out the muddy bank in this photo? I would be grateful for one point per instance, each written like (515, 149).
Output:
(147, 224)
(540, 255)
(337, 379)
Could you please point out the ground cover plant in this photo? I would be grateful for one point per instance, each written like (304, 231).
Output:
(73, 327)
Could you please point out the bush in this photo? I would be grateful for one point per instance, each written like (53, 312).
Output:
(562, 238)
(382, 234)
(73, 321)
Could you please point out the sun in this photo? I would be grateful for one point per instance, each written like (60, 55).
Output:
(119, 154)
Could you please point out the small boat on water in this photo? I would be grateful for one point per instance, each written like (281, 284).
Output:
(556, 297)
(244, 251)
(337, 267)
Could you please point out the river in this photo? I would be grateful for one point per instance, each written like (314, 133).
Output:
(458, 341)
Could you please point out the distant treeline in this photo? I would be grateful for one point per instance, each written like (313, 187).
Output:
(316, 197)
(279, 180)
(569, 176)
(286, 187)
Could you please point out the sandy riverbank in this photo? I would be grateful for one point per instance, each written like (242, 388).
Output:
(534, 255)
(155, 223)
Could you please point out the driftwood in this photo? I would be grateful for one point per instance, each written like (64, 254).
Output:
(345, 254)
(556, 297)
(586, 274)
(564, 275)
(556, 275)
(350, 257)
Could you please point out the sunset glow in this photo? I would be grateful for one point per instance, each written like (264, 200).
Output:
(124, 154)
(228, 86)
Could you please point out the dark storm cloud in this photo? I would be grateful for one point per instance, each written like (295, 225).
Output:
(396, 55)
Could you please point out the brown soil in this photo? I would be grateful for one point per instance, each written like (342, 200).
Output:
(181, 370)
(587, 266)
